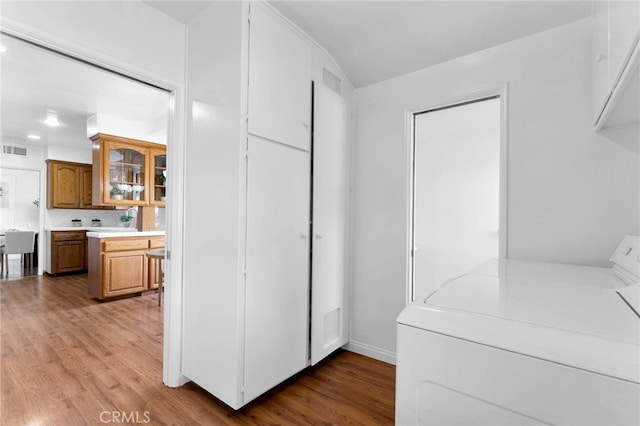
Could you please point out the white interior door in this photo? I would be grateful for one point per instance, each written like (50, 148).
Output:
(330, 204)
(279, 80)
(456, 191)
(277, 265)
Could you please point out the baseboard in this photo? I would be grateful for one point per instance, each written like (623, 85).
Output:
(371, 351)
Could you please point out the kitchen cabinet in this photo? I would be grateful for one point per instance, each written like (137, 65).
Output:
(330, 217)
(69, 185)
(68, 251)
(279, 81)
(247, 291)
(118, 266)
(125, 171)
(616, 52)
(277, 277)
(152, 267)
(159, 178)
(86, 191)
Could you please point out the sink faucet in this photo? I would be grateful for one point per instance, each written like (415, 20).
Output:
(130, 212)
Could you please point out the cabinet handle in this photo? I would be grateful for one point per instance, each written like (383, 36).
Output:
(303, 236)
(318, 237)
(601, 57)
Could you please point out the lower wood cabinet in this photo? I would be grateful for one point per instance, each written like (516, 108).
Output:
(118, 266)
(68, 251)
(154, 277)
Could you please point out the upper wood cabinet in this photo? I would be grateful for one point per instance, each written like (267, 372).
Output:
(69, 185)
(126, 171)
(279, 81)
(159, 176)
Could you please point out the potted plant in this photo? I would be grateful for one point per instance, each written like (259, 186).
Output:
(116, 193)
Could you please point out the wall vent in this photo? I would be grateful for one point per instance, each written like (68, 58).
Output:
(331, 81)
(14, 150)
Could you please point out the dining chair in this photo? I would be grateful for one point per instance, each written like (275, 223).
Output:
(17, 242)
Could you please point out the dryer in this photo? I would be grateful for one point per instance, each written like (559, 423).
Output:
(518, 342)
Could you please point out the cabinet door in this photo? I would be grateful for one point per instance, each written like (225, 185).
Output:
(277, 265)
(64, 186)
(86, 174)
(279, 80)
(624, 25)
(154, 276)
(68, 256)
(330, 215)
(158, 177)
(124, 272)
(600, 52)
(125, 181)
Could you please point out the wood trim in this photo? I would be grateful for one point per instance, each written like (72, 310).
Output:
(127, 141)
(146, 219)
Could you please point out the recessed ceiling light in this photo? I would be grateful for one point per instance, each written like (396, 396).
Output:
(51, 121)
(2, 49)
(34, 137)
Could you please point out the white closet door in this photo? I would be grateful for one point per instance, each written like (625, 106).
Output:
(279, 80)
(330, 204)
(277, 283)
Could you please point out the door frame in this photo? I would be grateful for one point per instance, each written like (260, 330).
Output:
(42, 194)
(410, 114)
(176, 147)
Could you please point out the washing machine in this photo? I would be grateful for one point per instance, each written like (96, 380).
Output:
(517, 343)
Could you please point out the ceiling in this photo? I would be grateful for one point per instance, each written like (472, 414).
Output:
(37, 83)
(373, 41)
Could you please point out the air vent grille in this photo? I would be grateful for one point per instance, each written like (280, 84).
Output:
(14, 150)
(331, 81)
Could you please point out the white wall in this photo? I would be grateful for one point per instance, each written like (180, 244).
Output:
(572, 193)
(75, 155)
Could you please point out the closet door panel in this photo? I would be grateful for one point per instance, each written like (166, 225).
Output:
(277, 265)
(279, 81)
(330, 216)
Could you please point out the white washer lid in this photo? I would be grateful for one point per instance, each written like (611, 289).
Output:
(554, 312)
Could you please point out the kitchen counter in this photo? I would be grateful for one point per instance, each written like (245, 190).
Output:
(91, 228)
(118, 263)
(125, 233)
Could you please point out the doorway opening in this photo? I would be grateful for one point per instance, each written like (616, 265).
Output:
(50, 116)
(458, 176)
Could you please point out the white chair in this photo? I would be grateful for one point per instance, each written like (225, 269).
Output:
(17, 242)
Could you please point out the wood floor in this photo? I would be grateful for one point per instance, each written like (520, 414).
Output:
(69, 360)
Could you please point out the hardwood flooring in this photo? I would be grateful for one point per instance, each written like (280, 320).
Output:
(69, 360)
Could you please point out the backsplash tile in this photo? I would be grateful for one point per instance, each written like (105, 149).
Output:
(108, 218)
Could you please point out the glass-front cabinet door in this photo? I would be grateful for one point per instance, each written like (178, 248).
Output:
(126, 182)
(159, 177)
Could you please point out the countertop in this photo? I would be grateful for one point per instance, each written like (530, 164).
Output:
(131, 233)
(92, 228)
